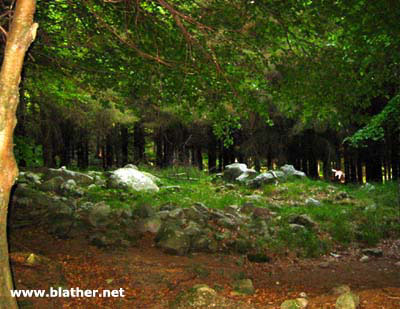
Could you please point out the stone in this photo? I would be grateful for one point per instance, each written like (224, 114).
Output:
(70, 187)
(176, 243)
(157, 180)
(202, 296)
(192, 229)
(130, 178)
(192, 213)
(66, 174)
(312, 202)
(32, 177)
(226, 222)
(246, 176)
(177, 213)
(144, 211)
(368, 187)
(262, 179)
(233, 171)
(201, 207)
(173, 240)
(201, 243)
(99, 215)
(341, 196)
(232, 209)
(304, 220)
(348, 300)
(150, 224)
(244, 286)
(298, 303)
(377, 252)
(254, 198)
(53, 184)
(289, 170)
(364, 259)
(172, 188)
(168, 207)
(297, 227)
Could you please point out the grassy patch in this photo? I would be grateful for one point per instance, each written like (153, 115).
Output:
(347, 213)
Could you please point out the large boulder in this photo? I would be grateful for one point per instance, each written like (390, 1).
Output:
(262, 179)
(238, 172)
(131, 178)
(289, 170)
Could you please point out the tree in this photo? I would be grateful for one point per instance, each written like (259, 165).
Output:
(21, 34)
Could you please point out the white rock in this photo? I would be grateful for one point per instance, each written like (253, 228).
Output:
(133, 179)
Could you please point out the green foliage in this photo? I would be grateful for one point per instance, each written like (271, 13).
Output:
(25, 150)
(388, 118)
(305, 242)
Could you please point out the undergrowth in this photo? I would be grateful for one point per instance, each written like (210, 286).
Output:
(346, 214)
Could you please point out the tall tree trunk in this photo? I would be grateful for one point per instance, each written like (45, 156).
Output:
(139, 143)
(21, 35)
(212, 152)
(124, 145)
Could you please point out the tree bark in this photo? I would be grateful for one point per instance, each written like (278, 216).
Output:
(21, 35)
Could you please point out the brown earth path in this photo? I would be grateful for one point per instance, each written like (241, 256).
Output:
(151, 278)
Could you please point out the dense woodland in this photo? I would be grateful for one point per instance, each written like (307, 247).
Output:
(205, 83)
(181, 89)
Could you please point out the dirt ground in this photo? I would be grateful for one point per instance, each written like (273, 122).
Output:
(151, 278)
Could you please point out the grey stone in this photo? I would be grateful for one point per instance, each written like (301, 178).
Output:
(66, 174)
(246, 176)
(176, 213)
(201, 207)
(233, 171)
(312, 202)
(226, 222)
(151, 225)
(377, 252)
(130, 178)
(262, 179)
(32, 177)
(192, 229)
(192, 213)
(53, 184)
(99, 215)
(289, 170)
(174, 241)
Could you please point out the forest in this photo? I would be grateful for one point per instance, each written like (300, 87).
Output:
(199, 154)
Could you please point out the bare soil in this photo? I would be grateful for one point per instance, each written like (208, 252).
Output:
(151, 278)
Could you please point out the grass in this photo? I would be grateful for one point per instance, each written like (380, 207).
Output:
(347, 214)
